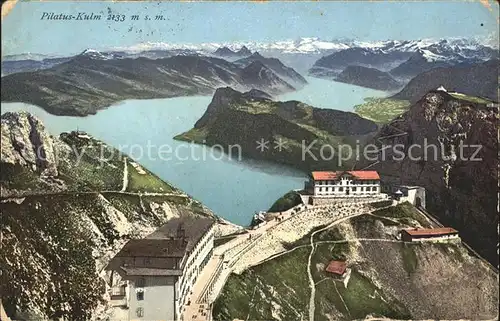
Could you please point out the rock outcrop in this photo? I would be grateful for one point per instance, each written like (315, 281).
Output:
(449, 146)
(26, 143)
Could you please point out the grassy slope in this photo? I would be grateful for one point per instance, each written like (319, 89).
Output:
(388, 278)
(382, 110)
(253, 294)
(143, 180)
(472, 99)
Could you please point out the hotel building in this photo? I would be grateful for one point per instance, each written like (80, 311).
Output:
(153, 277)
(349, 184)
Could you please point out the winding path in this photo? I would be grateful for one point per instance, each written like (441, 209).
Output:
(312, 286)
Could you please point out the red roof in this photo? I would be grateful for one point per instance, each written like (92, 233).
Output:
(336, 267)
(318, 176)
(430, 231)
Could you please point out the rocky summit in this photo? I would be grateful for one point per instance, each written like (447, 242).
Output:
(461, 182)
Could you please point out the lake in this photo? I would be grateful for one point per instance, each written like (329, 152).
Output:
(232, 188)
(329, 94)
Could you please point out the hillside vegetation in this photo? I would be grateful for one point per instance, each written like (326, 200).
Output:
(382, 110)
(389, 278)
(236, 119)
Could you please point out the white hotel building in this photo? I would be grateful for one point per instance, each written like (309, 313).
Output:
(344, 184)
(152, 278)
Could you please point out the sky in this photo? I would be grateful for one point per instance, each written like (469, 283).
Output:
(23, 30)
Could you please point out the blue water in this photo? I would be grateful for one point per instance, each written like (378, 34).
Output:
(324, 93)
(232, 188)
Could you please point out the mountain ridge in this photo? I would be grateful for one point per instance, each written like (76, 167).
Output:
(479, 79)
(84, 84)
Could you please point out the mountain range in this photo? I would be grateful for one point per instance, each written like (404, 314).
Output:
(480, 79)
(368, 77)
(299, 54)
(405, 59)
(94, 80)
(286, 73)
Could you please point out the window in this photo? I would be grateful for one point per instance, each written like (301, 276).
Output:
(374, 188)
(354, 189)
(140, 283)
(139, 312)
(321, 189)
(140, 296)
(341, 189)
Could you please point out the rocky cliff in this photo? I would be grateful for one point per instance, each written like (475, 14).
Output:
(425, 149)
(68, 204)
(234, 119)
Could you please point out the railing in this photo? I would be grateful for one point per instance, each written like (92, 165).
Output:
(235, 258)
(207, 290)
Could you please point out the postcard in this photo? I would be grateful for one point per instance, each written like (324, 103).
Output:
(249, 160)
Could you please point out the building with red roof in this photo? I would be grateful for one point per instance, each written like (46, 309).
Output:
(344, 184)
(337, 268)
(428, 234)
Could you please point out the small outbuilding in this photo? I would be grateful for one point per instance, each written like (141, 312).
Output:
(337, 268)
(428, 234)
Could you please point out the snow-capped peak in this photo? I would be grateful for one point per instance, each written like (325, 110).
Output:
(430, 56)
(95, 54)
